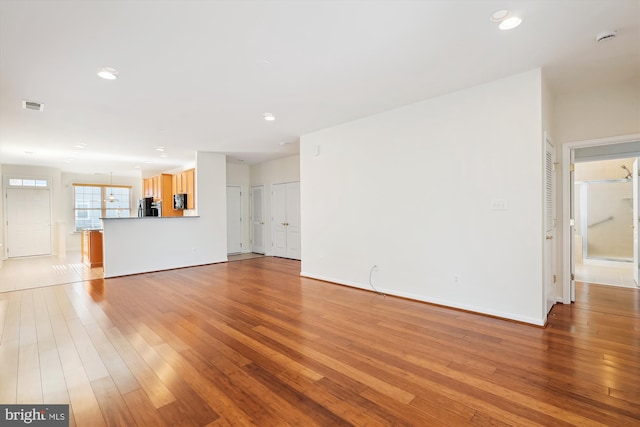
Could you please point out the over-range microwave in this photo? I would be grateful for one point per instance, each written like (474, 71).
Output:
(179, 201)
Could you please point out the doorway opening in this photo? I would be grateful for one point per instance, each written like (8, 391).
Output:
(603, 241)
(611, 148)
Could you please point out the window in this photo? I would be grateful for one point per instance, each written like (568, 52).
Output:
(18, 182)
(92, 202)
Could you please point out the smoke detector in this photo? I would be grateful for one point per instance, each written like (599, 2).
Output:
(605, 35)
(32, 105)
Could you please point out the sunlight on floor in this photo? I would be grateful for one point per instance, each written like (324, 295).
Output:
(34, 272)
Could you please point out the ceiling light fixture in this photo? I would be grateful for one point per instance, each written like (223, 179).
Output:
(108, 73)
(269, 117)
(111, 198)
(510, 23)
(160, 148)
(164, 155)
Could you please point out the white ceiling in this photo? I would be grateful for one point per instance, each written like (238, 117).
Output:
(198, 75)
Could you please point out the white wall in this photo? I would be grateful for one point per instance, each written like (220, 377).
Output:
(239, 175)
(71, 238)
(134, 246)
(592, 113)
(273, 172)
(598, 112)
(411, 190)
(2, 251)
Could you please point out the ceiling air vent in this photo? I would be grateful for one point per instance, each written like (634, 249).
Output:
(31, 105)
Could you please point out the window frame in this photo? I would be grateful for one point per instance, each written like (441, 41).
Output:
(104, 207)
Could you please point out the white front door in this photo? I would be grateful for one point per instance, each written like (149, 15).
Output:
(285, 220)
(257, 219)
(636, 222)
(28, 222)
(234, 220)
(549, 222)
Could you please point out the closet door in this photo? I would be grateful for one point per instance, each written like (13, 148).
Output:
(285, 220)
(293, 220)
(234, 220)
(257, 220)
(279, 220)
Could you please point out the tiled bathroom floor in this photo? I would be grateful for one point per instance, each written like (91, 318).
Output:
(606, 273)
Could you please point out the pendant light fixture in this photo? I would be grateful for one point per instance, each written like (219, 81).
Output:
(111, 198)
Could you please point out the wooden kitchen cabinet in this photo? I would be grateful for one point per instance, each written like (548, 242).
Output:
(184, 183)
(91, 244)
(160, 187)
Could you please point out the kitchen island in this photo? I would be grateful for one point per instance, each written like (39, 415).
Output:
(91, 248)
(141, 245)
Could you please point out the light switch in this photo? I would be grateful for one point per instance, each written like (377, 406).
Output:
(498, 205)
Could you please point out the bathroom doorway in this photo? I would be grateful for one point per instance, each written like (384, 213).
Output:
(604, 222)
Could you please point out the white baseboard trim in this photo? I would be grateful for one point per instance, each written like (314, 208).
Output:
(445, 303)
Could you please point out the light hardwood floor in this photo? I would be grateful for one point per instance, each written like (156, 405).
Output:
(253, 343)
(35, 272)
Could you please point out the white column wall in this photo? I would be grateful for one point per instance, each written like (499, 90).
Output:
(411, 191)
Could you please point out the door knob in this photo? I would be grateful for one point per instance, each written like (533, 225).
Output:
(549, 237)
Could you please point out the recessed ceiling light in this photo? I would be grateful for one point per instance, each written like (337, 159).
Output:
(149, 161)
(29, 153)
(500, 15)
(164, 155)
(510, 23)
(80, 146)
(137, 167)
(160, 148)
(269, 117)
(108, 73)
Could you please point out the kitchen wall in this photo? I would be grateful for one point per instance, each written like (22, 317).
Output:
(409, 200)
(274, 172)
(134, 246)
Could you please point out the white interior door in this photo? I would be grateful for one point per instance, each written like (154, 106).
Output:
(234, 220)
(293, 220)
(572, 226)
(285, 220)
(636, 223)
(257, 219)
(549, 215)
(279, 220)
(28, 222)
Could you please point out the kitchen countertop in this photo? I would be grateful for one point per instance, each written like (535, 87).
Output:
(153, 217)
